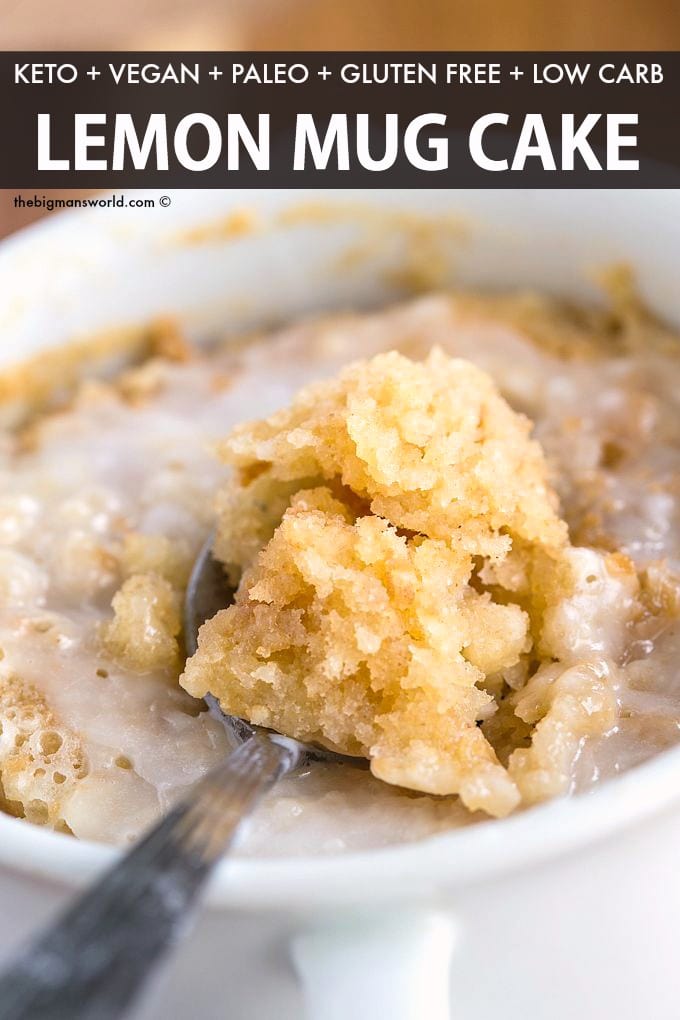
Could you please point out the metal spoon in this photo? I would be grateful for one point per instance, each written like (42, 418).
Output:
(97, 957)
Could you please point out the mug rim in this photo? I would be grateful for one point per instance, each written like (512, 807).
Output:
(405, 872)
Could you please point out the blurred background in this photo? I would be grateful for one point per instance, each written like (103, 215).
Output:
(332, 25)
(340, 24)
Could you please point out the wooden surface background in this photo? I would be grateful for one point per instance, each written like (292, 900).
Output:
(332, 24)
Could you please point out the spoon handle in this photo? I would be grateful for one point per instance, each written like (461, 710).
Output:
(93, 961)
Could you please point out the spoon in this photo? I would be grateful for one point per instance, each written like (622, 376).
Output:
(94, 960)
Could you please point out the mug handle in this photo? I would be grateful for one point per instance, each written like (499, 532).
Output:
(394, 964)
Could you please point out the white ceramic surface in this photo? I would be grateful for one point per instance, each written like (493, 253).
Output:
(571, 910)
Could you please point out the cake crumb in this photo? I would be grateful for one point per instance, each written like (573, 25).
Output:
(145, 625)
(41, 760)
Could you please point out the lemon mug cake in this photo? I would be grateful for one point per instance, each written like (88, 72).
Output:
(452, 527)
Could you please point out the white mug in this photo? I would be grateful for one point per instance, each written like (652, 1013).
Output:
(570, 910)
